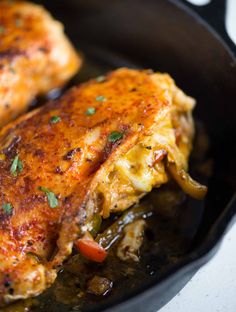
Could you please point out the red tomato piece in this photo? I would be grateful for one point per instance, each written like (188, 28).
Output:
(91, 249)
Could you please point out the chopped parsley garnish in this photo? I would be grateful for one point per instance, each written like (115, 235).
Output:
(16, 166)
(2, 29)
(115, 136)
(101, 98)
(52, 200)
(18, 22)
(7, 207)
(90, 111)
(55, 119)
(100, 78)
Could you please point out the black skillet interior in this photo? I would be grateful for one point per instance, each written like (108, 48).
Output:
(166, 36)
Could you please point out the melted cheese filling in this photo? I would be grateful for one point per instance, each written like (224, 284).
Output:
(136, 173)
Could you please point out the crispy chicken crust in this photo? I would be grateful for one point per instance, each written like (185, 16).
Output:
(35, 56)
(101, 155)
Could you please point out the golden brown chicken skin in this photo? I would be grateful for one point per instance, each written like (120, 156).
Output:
(98, 149)
(35, 56)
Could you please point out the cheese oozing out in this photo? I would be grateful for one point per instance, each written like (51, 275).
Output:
(134, 174)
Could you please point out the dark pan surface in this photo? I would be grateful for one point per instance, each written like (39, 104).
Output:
(165, 37)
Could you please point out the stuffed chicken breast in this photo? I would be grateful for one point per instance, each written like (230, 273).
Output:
(97, 150)
(35, 56)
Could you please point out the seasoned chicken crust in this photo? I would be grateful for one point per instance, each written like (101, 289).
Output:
(35, 56)
(98, 149)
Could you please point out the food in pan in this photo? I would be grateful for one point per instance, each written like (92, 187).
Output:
(95, 151)
(35, 56)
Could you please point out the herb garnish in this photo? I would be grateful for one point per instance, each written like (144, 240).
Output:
(52, 200)
(55, 119)
(101, 98)
(18, 22)
(90, 111)
(7, 207)
(16, 166)
(2, 29)
(100, 78)
(115, 136)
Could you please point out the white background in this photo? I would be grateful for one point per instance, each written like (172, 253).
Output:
(213, 288)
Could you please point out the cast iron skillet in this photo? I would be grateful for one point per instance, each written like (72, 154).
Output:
(166, 35)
